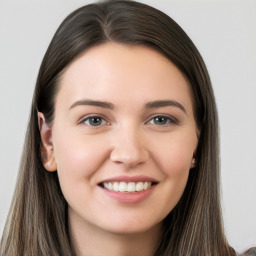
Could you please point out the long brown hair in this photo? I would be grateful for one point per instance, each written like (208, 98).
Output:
(37, 223)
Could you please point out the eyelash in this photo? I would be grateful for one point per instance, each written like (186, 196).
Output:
(90, 118)
(169, 119)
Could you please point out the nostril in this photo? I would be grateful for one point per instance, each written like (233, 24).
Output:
(128, 158)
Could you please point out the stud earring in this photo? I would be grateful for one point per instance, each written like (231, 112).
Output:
(193, 164)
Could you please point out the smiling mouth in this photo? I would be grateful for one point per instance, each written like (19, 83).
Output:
(127, 187)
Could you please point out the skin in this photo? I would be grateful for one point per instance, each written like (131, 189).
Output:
(126, 141)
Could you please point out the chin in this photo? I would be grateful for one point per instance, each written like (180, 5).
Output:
(133, 228)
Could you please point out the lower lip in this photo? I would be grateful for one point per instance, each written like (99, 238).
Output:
(129, 198)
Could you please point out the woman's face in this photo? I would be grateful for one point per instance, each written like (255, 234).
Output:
(123, 137)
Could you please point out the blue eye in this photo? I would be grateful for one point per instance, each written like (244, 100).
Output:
(94, 121)
(162, 120)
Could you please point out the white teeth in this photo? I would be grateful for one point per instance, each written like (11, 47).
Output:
(127, 186)
(139, 186)
(122, 187)
(115, 186)
(110, 186)
(145, 185)
(131, 187)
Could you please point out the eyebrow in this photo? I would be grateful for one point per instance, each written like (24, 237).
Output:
(165, 103)
(109, 105)
(97, 103)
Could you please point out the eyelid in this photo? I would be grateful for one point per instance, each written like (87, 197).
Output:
(84, 118)
(172, 119)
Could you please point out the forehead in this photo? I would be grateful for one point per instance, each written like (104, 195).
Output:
(116, 72)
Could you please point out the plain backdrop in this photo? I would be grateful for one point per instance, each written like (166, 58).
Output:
(225, 34)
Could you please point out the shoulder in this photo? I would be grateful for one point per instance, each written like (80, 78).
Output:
(250, 252)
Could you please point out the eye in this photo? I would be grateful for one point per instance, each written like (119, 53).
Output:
(162, 120)
(94, 121)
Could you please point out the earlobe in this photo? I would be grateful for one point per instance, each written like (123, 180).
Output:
(47, 150)
(194, 158)
(193, 163)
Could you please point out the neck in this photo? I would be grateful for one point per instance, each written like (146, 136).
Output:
(91, 240)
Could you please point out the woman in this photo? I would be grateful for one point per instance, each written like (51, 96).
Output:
(121, 152)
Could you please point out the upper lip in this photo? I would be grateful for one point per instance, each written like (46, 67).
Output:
(130, 179)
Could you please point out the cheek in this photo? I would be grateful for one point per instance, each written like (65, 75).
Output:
(176, 155)
(174, 160)
(77, 157)
(176, 169)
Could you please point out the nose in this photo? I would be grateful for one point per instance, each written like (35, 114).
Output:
(129, 148)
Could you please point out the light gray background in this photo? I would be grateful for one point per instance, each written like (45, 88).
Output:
(225, 34)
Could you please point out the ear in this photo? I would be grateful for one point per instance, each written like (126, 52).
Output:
(193, 163)
(194, 158)
(47, 150)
